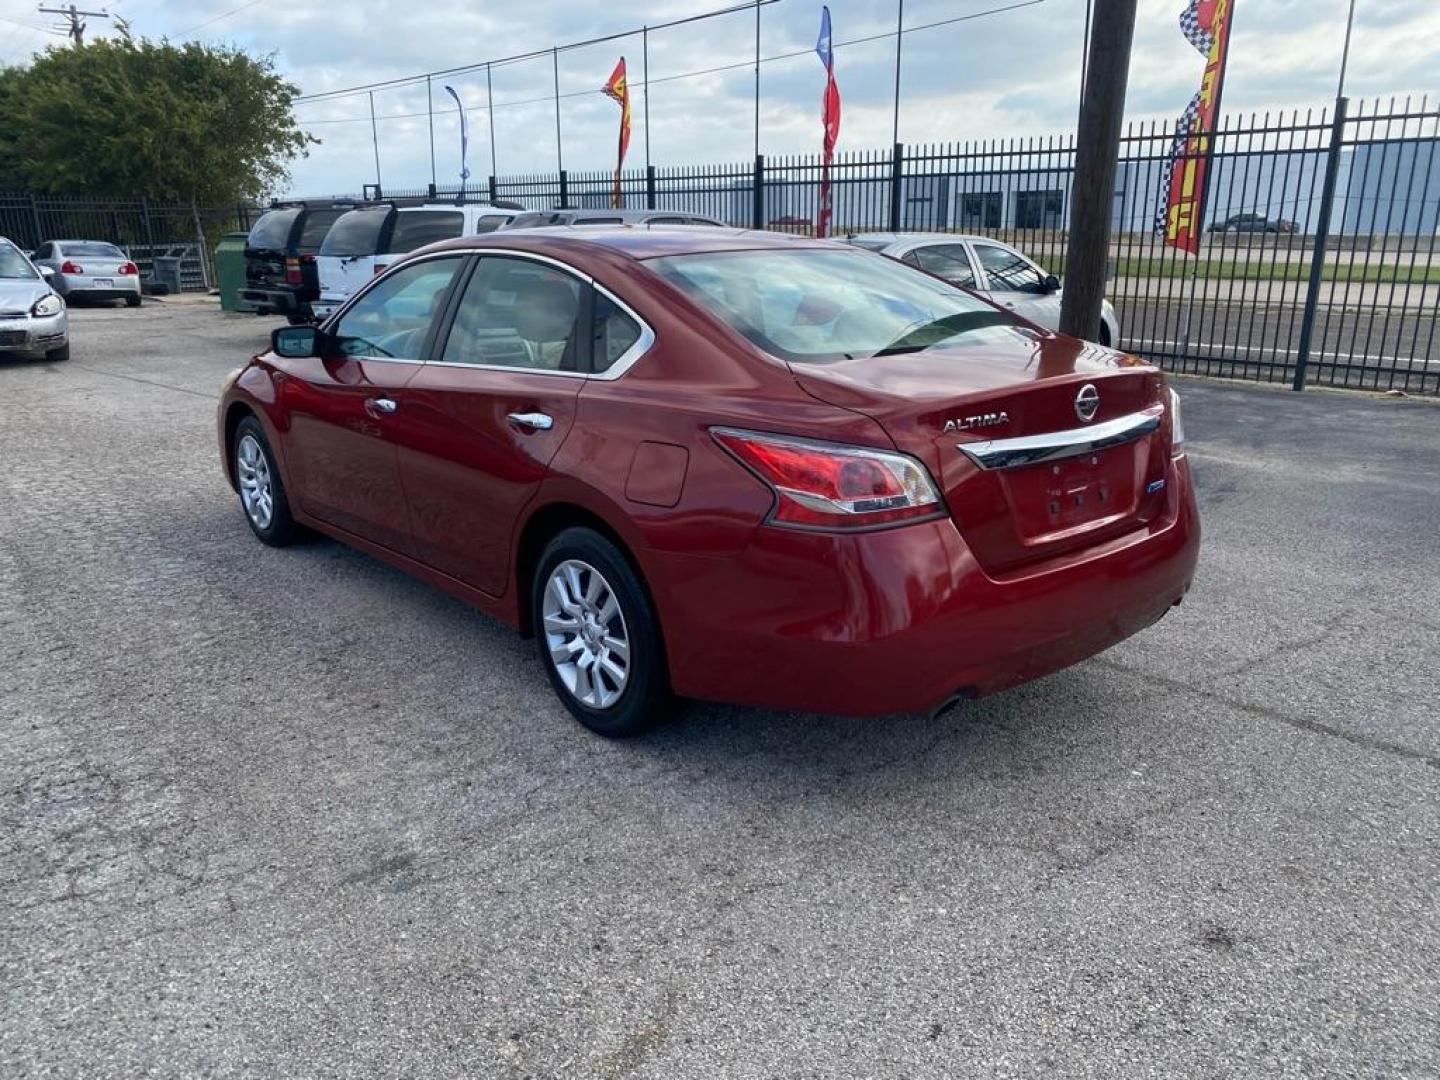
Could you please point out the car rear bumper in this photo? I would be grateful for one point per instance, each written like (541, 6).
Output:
(30, 335)
(121, 286)
(272, 301)
(903, 620)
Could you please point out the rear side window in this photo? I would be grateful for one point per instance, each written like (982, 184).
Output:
(356, 232)
(272, 231)
(416, 228)
(614, 332)
(316, 226)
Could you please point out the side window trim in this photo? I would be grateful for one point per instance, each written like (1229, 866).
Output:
(440, 329)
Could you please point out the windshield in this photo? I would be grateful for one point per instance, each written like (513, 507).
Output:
(272, 231)
(356, 233)
(15, 266)
(812, 305)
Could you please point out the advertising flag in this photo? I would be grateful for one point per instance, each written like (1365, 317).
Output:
(616, 87)
(1206, 25)
(464, 137)
(829, 118)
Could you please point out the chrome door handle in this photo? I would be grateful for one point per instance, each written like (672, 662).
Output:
(380, 405)
(535, 421)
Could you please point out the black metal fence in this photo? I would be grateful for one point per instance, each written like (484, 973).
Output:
(144, 229)
(1318, 265)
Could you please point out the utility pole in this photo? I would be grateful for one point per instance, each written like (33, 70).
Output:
(1097, 147)
(76, 19)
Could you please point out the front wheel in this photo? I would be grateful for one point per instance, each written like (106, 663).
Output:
(262, 492)
(55, 356)
(598, 637)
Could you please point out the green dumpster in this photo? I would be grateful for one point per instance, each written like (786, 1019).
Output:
(230, 270)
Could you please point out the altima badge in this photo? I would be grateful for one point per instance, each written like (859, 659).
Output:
(1087, 402)
(966, 423)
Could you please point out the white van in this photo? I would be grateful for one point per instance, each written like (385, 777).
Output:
(357, 245)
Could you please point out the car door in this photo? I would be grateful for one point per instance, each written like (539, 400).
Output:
(342, 407)
(1013, 281)
(948, 261)
(487, 414)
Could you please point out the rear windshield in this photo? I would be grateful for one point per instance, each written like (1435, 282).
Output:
(814, 305)
(271, 232)
(416, 228)
(91, 248)
(530, 220)
(491, 222)
(356, 232)
(583, 219)
(869, 243)
(317, 225)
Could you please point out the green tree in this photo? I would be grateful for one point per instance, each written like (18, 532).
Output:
(126, 117)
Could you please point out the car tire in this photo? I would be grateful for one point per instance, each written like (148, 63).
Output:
(261, 490)
(297, 318)
(1105, 336)
(606, 665)
(58, 356)
(132, 301)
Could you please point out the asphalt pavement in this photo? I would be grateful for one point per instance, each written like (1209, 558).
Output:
(294, 814)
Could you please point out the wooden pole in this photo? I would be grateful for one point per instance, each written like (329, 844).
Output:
(1096, 151)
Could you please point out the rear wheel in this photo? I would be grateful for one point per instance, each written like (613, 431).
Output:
(262, 492)
(598, 637)
(132, 301)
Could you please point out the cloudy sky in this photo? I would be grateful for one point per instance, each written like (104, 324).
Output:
(1009, 73)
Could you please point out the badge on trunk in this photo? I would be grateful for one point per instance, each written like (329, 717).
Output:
(1087, 402)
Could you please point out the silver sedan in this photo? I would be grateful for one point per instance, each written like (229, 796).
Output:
(90, 270)
(990, 268)
(32, 315)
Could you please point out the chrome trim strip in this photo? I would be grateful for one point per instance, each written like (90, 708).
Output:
(1054, 445)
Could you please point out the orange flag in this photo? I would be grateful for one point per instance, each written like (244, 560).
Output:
(615, 87)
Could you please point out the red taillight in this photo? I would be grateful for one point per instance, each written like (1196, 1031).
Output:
(68, 267)
(828, 486)
(128, 269)
(292, 272)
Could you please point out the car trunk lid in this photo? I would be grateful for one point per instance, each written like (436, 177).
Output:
(1001, 425)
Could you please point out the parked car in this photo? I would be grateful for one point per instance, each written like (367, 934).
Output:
(1254, 223)
(364, 241)
(33, 320)
(281, 277)
(90, 270)
(726, 465)
(540, 218)
(990, 268)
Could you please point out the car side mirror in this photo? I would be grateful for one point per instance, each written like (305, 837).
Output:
(295, 342)
(46, 271)
(1051, 284)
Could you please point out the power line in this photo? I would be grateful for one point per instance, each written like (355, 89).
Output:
(532, 55)
(702, 71)
(217, 18)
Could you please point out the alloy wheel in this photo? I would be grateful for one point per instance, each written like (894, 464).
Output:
(585, 633)
(252, 469)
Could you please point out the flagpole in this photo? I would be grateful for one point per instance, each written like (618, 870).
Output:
(559, 158)
(899, 37)
(375, 141)
(757, 78)
(1345, 53)
(430, 110)
(490, 112)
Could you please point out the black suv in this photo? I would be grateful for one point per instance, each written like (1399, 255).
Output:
(280, 274)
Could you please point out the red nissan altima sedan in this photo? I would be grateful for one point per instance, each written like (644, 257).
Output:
(727, 465)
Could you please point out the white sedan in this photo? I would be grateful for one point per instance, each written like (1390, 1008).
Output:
(988, 267)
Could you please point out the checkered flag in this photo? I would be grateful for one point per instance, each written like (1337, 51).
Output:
(1202, 38)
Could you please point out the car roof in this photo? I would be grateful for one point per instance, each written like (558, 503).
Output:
(642, 241)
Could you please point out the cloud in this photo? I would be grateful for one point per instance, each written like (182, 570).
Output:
(1007, 75)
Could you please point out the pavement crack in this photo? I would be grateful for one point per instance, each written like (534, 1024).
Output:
(1315, 727)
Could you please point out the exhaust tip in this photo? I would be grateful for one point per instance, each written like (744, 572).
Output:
(965, 693)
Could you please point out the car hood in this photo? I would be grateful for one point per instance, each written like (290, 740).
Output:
(18, 295)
